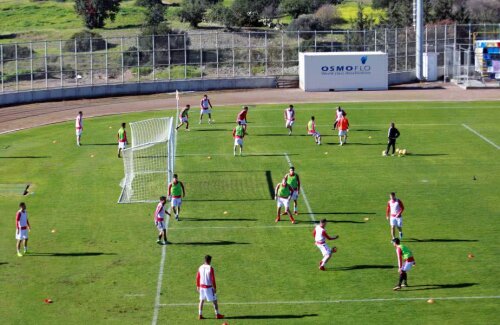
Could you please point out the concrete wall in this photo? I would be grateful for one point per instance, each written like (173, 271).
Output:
(25, 97)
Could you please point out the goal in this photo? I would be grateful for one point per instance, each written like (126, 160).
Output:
(149, 162)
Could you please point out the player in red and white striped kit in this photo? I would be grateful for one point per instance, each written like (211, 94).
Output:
(320, 237)
(160, 220)
(22, 229)
(289, 115)
(395, 210)
(206, 286)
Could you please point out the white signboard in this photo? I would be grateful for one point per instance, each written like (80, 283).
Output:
(333, 71)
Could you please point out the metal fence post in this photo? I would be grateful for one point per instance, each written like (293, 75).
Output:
(396, 49)
(61, 62)
(31, 64)
(348, 36)
(435, 39)
(138, 60)
(265, 51)
(315, 41)
(385, 40)
(17, 67)
(232, 46)
(331, 42)
(364, 39)
(445, 66)
(122, 59)
(249, 55)
(217, 51)
(426, 39)
(375, 35)
(45, 66)
(91, 63)
(1, 65)
(282, 53)
(201, 59)
(406, 48)
(76, 62)
(169, 57)
(106, 62)
(154, 56)
(185, 56)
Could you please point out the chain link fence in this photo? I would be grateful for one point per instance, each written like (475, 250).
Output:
(194, 54)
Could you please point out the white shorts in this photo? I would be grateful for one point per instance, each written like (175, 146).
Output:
(205, 111)
(325, 250)
(176, 202)
(295, 195)
(207, 294)
(121, 145)
(242, 122)
(315, 134)
(238, 142)
(283, 202)
(407, 266)
(22, 234)
(79, 132)
(342, 132)
(289, 123)
(397, 222)
(183, 119)
(160, 225)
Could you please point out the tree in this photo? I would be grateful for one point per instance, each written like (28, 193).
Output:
(442, 10)
(192, 11)
(296, 8)
(461, 14)
(381, 3)
(95, 12)
(155, 13)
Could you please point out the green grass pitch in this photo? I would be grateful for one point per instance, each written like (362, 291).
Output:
(101, 264)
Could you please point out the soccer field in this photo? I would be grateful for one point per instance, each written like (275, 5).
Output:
(99, 261)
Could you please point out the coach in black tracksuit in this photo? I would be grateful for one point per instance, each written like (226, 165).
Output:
(392, 135)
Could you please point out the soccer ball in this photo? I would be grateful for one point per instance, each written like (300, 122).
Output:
(403, 152)
(384, 153)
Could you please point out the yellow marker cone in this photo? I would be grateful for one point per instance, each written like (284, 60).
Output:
(430, 301)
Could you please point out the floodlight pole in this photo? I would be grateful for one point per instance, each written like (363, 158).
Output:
(419, 32)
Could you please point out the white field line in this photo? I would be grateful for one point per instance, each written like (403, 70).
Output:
(311, 214)
(337, 301)
(276, 125)
(164, 247)
(481, 136)
(230, 154)
(160, 279)
(241, 227)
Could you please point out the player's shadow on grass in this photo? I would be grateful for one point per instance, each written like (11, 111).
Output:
(218, 219)
(427, 154)
(439, 240)
(268, 154)
(272, 316)
(212, 130)
(366, 130)
(440, 286)
(3, 263)
(361, 213)
(364, 267)
(286, 135)
(356, 144)
(100, 144)
(70, 254)
(25, 157)
(214, 243)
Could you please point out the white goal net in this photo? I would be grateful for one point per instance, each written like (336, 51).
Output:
(149, 162)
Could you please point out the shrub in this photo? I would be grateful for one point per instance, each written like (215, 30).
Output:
(94, 13)
(9, 52)
(306, 23)
(83, 40)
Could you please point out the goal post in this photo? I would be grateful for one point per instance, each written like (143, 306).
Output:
(149, 162)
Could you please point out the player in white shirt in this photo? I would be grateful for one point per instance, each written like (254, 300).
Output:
(79, 127)
(22, 229)
(206, 108)
(320, 237)
(206, 286)
(289, 115)
(160, 215)
(338, 115)
(394, 211)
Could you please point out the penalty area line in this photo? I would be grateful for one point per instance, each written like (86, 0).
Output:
(337, 301)
(481, 136)
(240, 227)
(160, 279)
